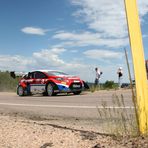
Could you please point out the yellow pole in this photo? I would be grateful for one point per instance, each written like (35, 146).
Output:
(135, 38)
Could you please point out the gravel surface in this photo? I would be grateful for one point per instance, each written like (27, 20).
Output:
(18, 132)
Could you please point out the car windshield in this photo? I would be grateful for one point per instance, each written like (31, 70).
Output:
(56, 73)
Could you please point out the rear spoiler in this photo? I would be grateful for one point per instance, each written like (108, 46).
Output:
(86, 86)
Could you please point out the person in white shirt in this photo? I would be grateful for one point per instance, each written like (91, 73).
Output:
(120, 74)
(98, 74)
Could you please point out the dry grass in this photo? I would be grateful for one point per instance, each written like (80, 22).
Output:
(120, 121)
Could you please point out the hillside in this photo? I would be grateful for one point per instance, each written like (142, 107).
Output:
(7, 83)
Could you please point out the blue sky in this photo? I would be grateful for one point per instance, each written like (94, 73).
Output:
(74, 36)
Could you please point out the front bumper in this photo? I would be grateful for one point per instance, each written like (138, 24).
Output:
(72, 88)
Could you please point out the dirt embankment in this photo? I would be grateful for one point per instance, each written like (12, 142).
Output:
(17, 132)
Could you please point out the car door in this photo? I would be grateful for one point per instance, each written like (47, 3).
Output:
(39, 80)
(30, 82)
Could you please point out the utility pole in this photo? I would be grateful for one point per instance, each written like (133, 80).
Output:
(136, 44)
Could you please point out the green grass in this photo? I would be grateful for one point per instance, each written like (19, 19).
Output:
(108, 85)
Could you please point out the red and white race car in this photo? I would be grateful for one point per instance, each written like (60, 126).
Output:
(49, 82)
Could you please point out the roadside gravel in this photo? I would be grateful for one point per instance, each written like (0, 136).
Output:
(18, 132)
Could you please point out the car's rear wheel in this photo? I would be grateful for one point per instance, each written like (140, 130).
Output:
(76, 92)
(20, 91)
(49, 89)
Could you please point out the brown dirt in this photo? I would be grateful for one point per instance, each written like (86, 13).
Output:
(17, 132)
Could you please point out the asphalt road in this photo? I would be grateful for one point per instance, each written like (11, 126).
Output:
(78, 106)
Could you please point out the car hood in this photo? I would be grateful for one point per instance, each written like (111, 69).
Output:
(69, 76)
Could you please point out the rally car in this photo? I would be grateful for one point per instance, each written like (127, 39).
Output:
(49, 82)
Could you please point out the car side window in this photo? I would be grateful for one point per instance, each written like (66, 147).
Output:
(25, 76)
(40, 75)
(28, 76)
(31, 75)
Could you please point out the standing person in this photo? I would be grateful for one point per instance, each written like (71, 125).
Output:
(120, 74)
(98, 74)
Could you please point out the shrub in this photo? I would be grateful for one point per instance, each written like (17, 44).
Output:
(7, 83)
(110, 85)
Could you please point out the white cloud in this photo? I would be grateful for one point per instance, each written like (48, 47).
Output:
(143, 7)
(106, 17)
(102, 54)
(50, 59)
(74, 36)
(88, 39)
(106, 21)
(42, 59)
(8, 62)
(34, 30)
(58, 50)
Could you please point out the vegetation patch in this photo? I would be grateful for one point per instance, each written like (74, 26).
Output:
(7, 83)
(121, 121)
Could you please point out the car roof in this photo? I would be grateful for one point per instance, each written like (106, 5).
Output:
(47, 70)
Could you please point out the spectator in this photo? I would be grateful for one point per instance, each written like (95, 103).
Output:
(98, 74)
(120, 74)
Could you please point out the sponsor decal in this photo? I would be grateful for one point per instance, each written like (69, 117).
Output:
(38, 80)
(29, 80)
(37, 88)
(76, 81)
(63, 83)
(76, 86)
(42, 81)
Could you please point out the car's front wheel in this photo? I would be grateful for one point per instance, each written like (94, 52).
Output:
(20, 91)
(49, 89)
